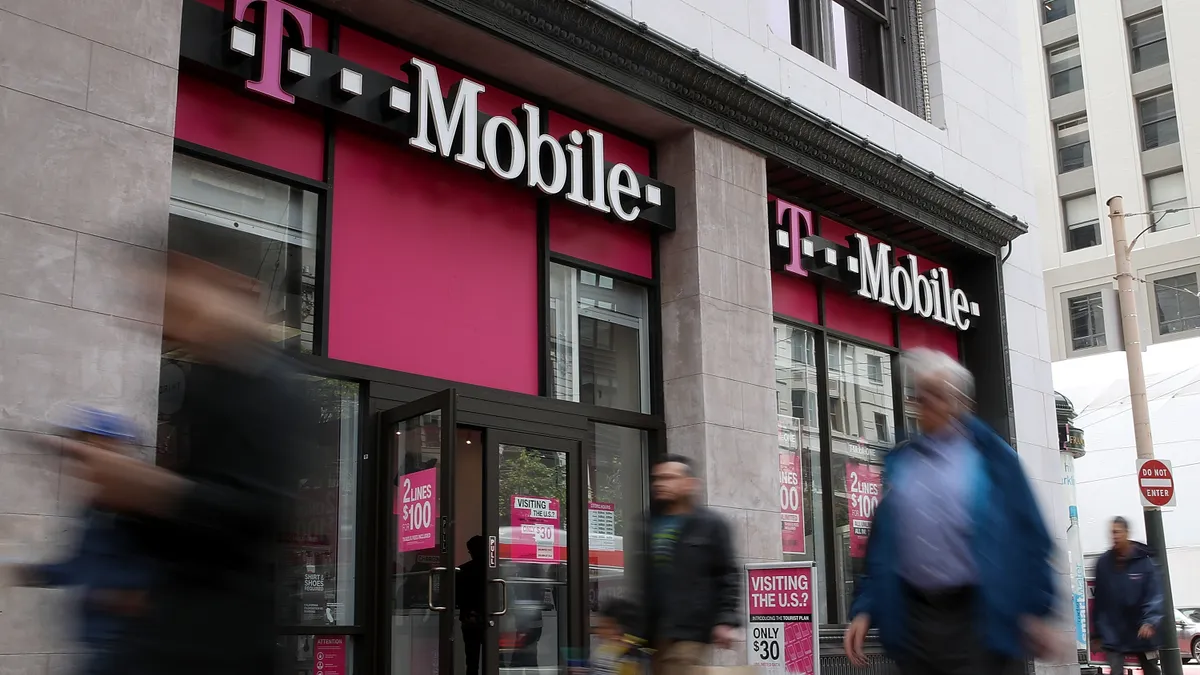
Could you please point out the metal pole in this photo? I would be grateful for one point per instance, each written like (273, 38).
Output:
(1155, 538)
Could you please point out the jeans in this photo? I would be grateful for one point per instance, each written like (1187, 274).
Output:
(679, 658)
(1116, 664)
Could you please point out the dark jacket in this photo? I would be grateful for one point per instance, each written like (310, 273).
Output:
(702, 588)
(1127, 597)
(105, 559)
(248, 428)
(1011, 545)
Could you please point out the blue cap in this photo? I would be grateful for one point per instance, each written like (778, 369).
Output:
(101, 423)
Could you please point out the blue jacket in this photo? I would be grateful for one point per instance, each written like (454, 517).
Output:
(104, 560)
(1011, 546)
(1125, 599)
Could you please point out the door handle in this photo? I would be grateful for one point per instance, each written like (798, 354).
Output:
(433, 572)
(503, 595)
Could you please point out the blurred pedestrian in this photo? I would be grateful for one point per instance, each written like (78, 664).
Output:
(210, 525)
(958, 578)
(1128, 607)
(106, 565)
(617, 652)
(690, 576)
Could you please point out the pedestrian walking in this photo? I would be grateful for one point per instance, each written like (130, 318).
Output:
(106, 566)
(1128, 603)
(958, 578)
(210, 524)
(691, 598)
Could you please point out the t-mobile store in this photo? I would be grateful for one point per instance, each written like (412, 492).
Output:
(512, 300)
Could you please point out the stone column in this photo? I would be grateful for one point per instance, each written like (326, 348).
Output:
(87, 108)
(718, 336)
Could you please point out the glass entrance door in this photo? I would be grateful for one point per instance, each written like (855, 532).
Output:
(418, 441)
(537, 595)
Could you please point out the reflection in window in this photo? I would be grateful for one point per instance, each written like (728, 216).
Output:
(801, 517)
(260, 228)
(1074, 145)
(1177, 303)
(1086, 316)
(599, 349)
(615, 487)
(1157, 115)
(1168, 193)
(1053, 10)
(1148, 43)
(1066, 70)
(1083, 222)
(866, 408)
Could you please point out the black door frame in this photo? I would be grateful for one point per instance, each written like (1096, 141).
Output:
(445, 402)
(576, 511)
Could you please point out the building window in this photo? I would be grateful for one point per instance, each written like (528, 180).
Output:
(883, 429)
(599, 349)
(1066, 70)
(1053, 10)
(872, 42)
(1157, 115)
(1085, 315)
(864, 411)
(1177, 303)
(260, 228)
(1074, 145)
(1083, 222)
(616, 487)
(1168, 193)
(1148, 43)
(875, 368)
(801, 511)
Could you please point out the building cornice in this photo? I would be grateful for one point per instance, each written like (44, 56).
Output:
(628, 56)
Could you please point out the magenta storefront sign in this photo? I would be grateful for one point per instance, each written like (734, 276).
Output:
(273, 51)
(866, 268)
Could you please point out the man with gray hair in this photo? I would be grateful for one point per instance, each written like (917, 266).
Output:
(958, 576)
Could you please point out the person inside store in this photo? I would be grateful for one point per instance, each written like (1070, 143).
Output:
(958, 574)
(210, 525)
(470, 589)
(1128, 603)
(690, 578)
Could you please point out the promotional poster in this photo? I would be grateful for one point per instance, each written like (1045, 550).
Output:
(864, 487)
(416, 506)
(791, 502)
(781, 613)
(534, 529)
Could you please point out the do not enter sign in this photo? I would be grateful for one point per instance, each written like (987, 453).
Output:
(1156, 483)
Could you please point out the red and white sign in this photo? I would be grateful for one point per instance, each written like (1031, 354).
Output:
(864, 487)
(329, 656)
(535, 529)
(1156, 482)
(416, 506)
(781, 617)
(791, 502)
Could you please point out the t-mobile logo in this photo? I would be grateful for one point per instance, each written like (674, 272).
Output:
(272, 18)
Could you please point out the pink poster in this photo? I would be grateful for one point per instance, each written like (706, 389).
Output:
(864, 486)
(791, 502)
(329, 656)
(535, 530)
(781, 608)
(416, 507)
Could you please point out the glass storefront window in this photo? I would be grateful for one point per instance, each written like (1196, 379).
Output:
(309, 654)
(316, 560)
(800, 509)
(862, 419)
(260, 228)
(317, 569)
(616, 499)
(599, 348)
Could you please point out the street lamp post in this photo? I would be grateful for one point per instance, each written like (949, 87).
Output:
(1155, 537)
